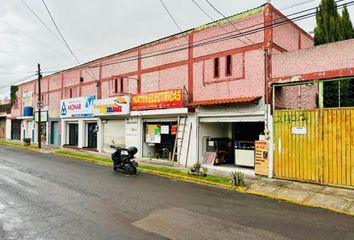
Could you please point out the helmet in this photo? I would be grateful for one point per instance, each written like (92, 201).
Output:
(132, 151)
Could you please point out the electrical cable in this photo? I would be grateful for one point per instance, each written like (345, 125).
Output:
(169, 13)
(66, 43)
(286, 21)
(275, 24)
(43, 23)
(17, 81)
(200, 7)
(218, 11)
(32, 38)
(297, 4)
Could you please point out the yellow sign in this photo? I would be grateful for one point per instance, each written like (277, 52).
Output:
(261, 158)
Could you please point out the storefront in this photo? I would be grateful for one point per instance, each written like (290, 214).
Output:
(112, 114)
(159, 119)
(78, 127)
(227, 134)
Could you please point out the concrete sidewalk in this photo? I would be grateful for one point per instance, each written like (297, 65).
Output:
(329, 197)
(337, 199)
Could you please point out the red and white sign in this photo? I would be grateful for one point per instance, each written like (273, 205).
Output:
(157, 100)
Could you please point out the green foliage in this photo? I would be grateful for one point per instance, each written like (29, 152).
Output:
(27, 141)
(238, 179)
(13, 96)
(331, 26)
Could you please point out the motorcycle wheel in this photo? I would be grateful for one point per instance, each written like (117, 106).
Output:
(115, 168)
(132, 170)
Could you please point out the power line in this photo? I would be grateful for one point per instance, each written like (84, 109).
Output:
(275, 23)
(62, 37)
(227, 19)
(200, 7)
(297, 4)
(39, 19)
(17, 81)
(169, 13)
(32, 38)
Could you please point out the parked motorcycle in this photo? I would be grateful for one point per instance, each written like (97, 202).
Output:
(124, 162)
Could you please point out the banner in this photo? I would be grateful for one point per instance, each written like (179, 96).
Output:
(112, 106)
(80, 107)
(157, 100)
(261, 158)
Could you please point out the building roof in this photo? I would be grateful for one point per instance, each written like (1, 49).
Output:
(222, 101)
(202, 27)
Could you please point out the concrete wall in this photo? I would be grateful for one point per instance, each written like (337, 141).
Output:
(288, 35)
(113, 130)
(316, 62)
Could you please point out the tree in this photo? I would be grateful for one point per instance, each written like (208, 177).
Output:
(347, 29)
(331, 26)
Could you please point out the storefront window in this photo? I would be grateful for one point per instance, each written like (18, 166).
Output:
(159, 140)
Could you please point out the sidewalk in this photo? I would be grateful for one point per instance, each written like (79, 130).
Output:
(336, 199)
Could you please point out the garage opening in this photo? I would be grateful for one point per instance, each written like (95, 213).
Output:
(229, 144)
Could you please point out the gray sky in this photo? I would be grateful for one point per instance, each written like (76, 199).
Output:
(96, 28)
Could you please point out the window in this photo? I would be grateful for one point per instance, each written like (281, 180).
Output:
(70, 93)
(228, 65)
(115, 85)
(121, 85)
(216, 67)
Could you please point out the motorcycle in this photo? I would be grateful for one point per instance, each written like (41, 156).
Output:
(124, 162)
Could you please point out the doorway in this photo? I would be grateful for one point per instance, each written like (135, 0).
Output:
(16, 130)
(73, 134)
(92, 135)
(54, 133)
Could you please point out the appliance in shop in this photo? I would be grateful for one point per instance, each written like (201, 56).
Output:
(222, 147)
(244, 153)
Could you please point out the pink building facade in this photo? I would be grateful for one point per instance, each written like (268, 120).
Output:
(221, 70)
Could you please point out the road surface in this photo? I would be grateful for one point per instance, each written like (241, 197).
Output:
(50, 197)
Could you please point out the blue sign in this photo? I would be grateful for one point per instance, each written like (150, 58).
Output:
(89, 101)
(64, 111)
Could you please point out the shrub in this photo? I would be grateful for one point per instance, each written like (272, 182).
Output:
(238, 179)
(27, 141)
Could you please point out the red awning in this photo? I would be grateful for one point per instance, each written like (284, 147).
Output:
(222, 101)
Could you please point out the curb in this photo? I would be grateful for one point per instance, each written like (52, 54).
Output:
(194, 180)
(200, 182)
(298, 202)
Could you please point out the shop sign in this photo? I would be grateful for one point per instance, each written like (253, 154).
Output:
(157, 100)
(261, 158)
(44, 116)
(153, 133)
(77, 107)
(112, 106)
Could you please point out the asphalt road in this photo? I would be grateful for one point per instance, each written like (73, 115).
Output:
(49, 197)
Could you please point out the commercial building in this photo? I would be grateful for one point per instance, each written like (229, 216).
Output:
(201, 95)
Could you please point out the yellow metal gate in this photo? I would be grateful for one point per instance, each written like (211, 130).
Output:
(315, 145)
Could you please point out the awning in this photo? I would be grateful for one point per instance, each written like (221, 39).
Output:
(222, 101)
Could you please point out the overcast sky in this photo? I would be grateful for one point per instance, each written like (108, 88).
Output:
(96, 28)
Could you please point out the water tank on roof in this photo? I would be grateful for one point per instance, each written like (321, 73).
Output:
(28, 111)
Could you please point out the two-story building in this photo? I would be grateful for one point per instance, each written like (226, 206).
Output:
(191, 94)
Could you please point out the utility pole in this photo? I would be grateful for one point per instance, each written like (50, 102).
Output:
(39, 108)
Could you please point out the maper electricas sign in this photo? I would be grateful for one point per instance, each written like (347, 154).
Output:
(157, 100)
